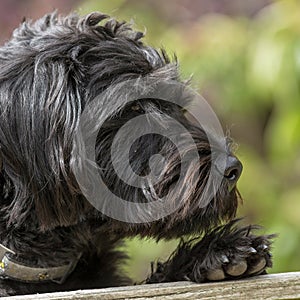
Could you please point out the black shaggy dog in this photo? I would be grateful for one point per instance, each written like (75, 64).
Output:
(52, 238)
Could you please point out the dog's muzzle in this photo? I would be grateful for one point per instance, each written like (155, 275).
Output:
(10, 269)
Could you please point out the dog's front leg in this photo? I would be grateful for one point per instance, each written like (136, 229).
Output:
(224, 253)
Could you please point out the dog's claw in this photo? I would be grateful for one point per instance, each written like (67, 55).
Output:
(224, 259)
(262, 247)
(252, 250)
(187, 278)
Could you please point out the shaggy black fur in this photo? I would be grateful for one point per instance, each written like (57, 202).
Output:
(49, 71)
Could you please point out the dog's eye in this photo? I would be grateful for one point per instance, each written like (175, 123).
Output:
(136, 107)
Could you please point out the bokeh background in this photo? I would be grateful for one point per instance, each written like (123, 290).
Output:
(245, 60)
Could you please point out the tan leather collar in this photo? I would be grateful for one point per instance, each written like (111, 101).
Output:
(10, 269)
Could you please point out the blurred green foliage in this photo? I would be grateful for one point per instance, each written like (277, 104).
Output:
(249, 70)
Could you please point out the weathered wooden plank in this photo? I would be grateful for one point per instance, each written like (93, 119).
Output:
(274, 286)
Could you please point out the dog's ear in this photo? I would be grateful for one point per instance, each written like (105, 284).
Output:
(57, 196)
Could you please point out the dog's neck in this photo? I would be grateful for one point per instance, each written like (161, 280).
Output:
(34, 256)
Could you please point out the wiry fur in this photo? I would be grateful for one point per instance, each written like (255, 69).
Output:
(49, 71)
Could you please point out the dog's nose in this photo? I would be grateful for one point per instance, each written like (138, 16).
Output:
(233, 169)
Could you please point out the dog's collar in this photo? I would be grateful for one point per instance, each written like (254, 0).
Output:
(10, 269)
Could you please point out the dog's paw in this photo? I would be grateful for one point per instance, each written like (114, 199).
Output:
(244, 261)
(231, 252)
(225, 253)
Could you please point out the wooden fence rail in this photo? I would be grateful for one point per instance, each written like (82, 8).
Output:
(274, 286)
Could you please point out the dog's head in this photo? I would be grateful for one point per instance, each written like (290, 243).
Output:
(50, 71)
